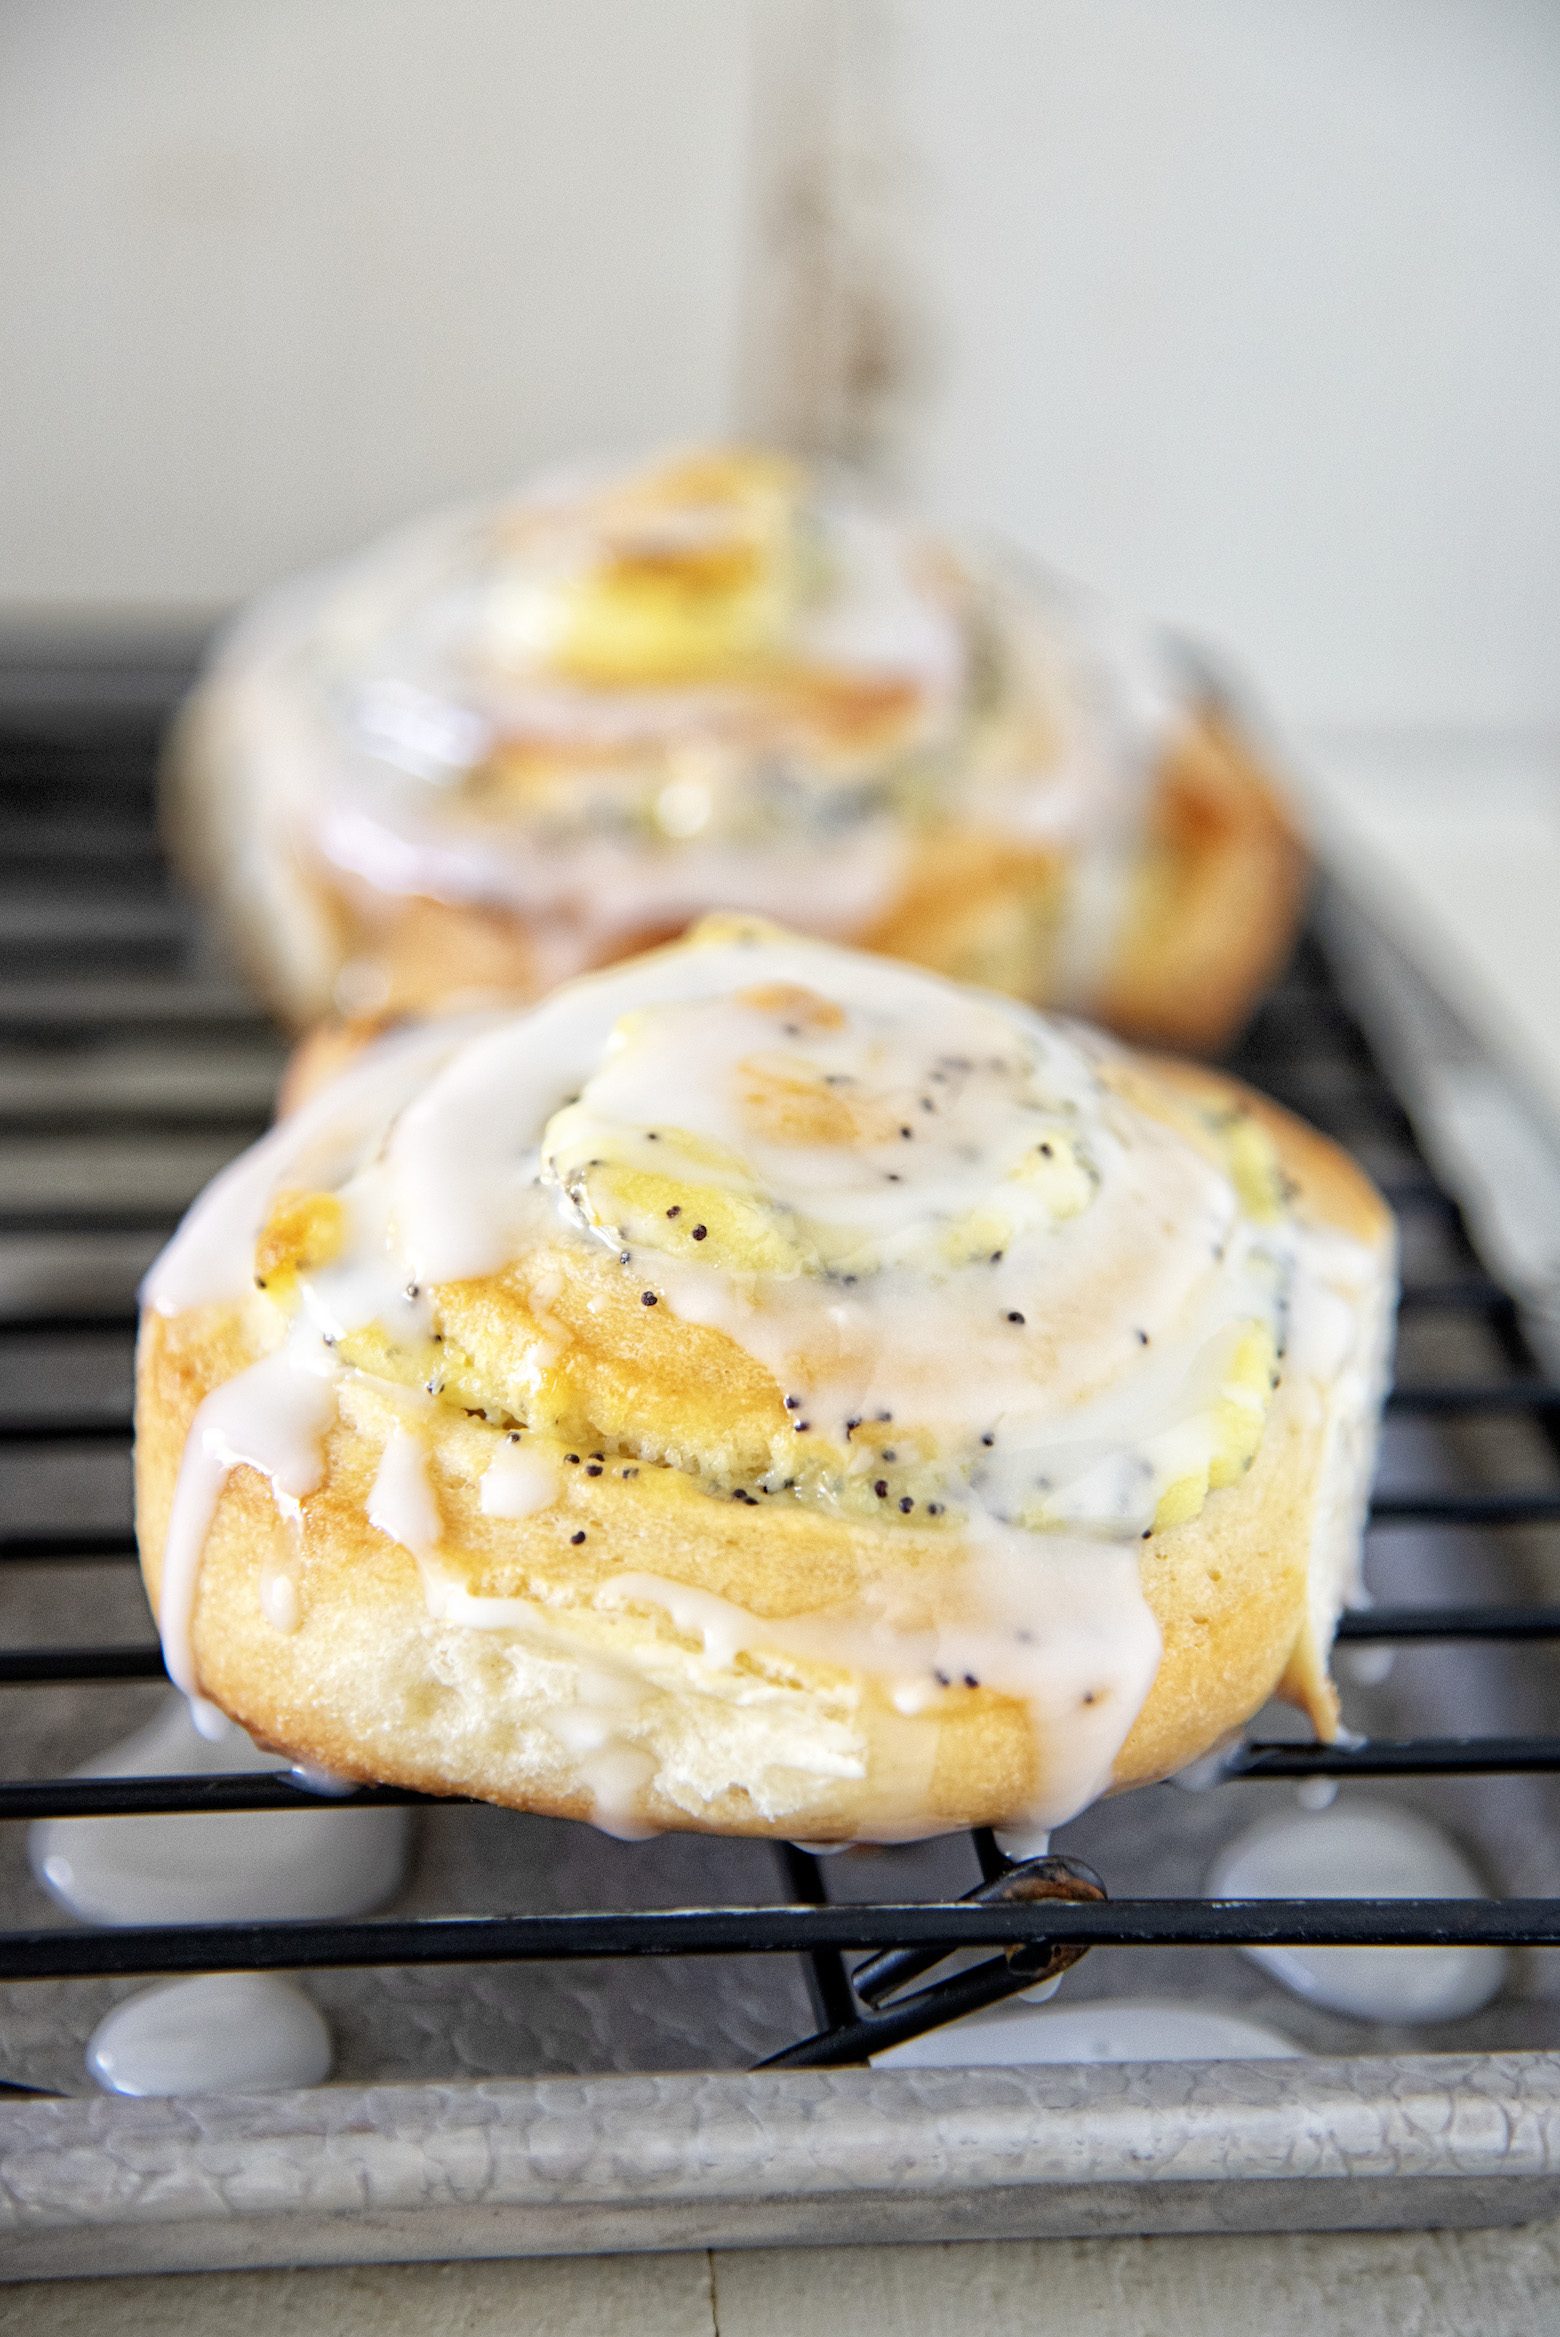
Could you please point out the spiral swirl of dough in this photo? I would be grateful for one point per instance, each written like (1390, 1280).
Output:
(521, 741)
(764, 1388)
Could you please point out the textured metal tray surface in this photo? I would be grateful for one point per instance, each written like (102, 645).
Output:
(585, 2166)
(131, 1066)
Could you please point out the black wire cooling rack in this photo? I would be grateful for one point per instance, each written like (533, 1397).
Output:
(97, 953)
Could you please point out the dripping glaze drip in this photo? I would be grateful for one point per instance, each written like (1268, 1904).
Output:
(726, 1121)
(272, 1418)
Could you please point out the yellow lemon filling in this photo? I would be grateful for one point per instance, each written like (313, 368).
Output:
(303, 1231)
(1233, 1426)
(696, 579)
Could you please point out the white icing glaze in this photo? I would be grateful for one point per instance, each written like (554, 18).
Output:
(1341, 1321)
(1142, 2028)
(1358, 1849)
(1025, 1842)
(587, 901)
(279, 1599)
(365, 711)
(402, 1502)
(1068, 1402)
(211, 1260)
(222, 2033)
(517, 1483)
(1062, 1626)
(989, 1277)
(223, 1867)
(271, 1418)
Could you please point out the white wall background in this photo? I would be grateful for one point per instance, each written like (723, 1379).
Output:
(274, 273)
(1253, 314)
(1248, 309)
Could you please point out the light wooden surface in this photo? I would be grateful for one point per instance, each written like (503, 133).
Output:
(550, 2296)
(1375, 2284)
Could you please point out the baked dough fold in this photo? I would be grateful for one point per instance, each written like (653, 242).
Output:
(587, 1411)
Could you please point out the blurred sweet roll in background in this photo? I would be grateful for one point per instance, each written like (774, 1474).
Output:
(520, 741)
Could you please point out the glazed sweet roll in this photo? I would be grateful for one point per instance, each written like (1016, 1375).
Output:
(520, 742)
(764, 1388)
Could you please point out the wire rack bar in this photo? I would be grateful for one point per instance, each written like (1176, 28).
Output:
(1537, 1506)
(1413, 1757)
(864, 2034)
(66, 1543)
(156, 1217)
(1451, 1623)
(1409, 1193)
(828, 1982)
(783, 1930)
(146, 1005)
(1470, 1293)
(46, 1666)
(1514, 1395)
(19, 1429)
(238, 1123)
(201, 1796)
(55, 1326)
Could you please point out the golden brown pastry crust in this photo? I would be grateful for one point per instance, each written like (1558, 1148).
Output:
(371, 1686)
(1216, 896)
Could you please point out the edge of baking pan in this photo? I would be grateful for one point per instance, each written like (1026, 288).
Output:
(562, 2166)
